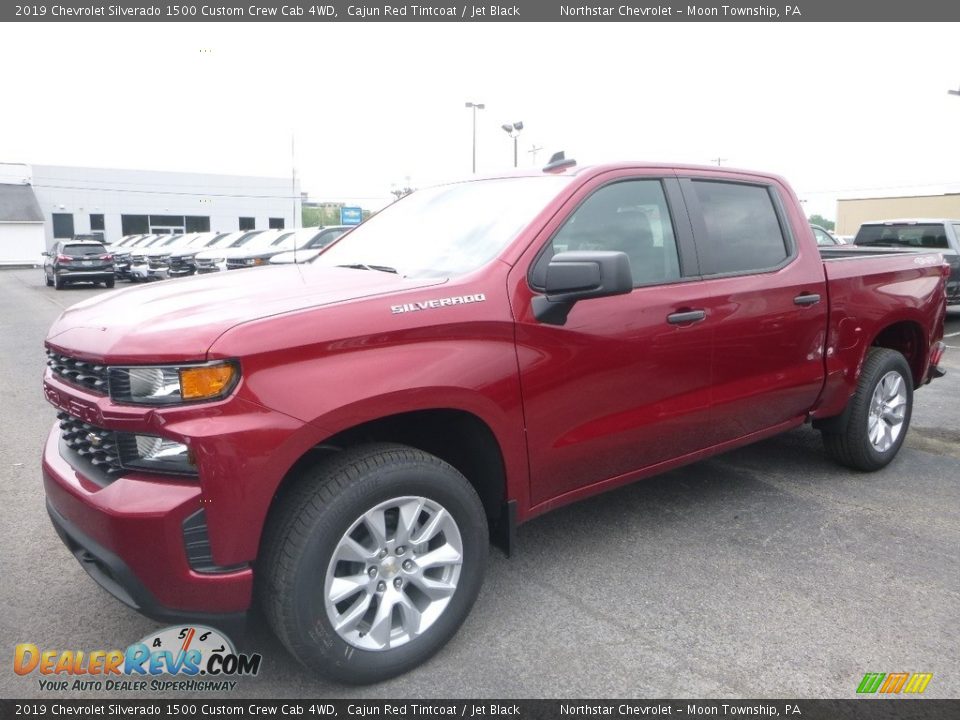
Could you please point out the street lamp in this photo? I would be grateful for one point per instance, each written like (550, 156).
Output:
(514, 132)
(475, 107)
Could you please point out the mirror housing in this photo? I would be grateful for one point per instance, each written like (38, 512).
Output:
(581, 275)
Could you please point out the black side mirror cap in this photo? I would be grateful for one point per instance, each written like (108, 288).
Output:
(581, 275)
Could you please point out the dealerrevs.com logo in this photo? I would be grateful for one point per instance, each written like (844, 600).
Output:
(894, 683)
(204, 657)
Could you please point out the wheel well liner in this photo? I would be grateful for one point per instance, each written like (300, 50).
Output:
(457, 437)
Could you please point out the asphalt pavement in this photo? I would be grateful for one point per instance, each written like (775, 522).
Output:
(765, 572)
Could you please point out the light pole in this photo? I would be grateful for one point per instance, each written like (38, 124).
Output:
(514, 132)
(475, 107)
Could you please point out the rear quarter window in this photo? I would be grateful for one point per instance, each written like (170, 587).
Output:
(742, 227)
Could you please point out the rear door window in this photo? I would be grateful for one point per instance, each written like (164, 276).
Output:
(743, 232)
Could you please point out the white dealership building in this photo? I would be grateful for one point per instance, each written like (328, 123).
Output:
(68, 201)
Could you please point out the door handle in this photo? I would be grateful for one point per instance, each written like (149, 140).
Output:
(806, 299)
(686, 316)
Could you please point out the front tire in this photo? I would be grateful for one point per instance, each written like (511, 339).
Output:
(371, 561)
(880, 412)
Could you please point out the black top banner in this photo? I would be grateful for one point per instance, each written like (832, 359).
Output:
(459, 11)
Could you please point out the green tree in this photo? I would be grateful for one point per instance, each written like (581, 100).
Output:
(822, 222)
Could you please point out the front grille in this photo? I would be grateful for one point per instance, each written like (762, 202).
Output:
(88, 375)
(179, 264)
(93, 444)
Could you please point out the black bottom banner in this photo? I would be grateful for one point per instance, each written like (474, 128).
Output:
(867, 709)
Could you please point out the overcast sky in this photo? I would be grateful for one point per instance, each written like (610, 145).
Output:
(839, 109)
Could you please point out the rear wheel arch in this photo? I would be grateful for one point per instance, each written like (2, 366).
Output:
(907, 338)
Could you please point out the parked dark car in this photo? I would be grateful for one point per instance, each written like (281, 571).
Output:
(72, 261)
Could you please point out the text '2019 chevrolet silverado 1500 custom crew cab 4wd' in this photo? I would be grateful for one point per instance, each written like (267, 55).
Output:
(338, 440)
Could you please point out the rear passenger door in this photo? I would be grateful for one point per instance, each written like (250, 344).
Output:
(765, 296)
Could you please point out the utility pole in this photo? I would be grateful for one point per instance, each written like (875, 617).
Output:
(719, 160)
(534, 149)
(293, 181)
(513, 130)
(475, 107)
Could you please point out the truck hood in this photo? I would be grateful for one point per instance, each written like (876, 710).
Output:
(179, 320)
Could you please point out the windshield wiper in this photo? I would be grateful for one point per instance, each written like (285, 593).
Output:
(364, 266)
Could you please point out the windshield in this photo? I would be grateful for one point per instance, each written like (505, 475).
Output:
(284, 241)
(245, 239)
(323, 239)
(902, 235)
(217, 240)
(447, 230)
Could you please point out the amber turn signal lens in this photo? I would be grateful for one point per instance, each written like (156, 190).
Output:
(199, 383)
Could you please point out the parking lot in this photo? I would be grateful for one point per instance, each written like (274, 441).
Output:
(766, 572)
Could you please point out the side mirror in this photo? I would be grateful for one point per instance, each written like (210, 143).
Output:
(581, 275)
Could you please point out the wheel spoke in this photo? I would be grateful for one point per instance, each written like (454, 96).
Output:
(442, 556)
(893, 383)
(434, 589)
(343, 587)
(382, 622)
(410, 617)
(350, 550)
(434, 525)
(887, 436)
(349, 619)
(409, 515)
(376, 522)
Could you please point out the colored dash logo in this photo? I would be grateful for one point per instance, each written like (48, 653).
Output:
(894, 683)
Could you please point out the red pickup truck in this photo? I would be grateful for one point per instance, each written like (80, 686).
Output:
(339, 441)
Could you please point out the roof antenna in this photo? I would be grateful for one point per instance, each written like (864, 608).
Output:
(558, 161)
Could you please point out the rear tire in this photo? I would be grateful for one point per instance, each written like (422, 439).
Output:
(58, 284)
(47, 280)
(880, 412)
(110, 283)
(388, 542)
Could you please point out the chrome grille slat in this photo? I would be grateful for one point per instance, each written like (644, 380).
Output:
(88, 375)
(96, 445)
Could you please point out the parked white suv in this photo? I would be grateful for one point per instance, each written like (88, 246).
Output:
(309, 243)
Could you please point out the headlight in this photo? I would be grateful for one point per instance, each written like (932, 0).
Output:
(254, 261)
(154, 454)
(169, 384)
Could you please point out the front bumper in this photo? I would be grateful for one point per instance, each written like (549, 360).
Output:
(148, 272)
(111, 573)
(129, 536)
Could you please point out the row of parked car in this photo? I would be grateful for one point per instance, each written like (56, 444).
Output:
(139, 258)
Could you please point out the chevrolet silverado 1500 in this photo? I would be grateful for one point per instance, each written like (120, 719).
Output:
(338, 441)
